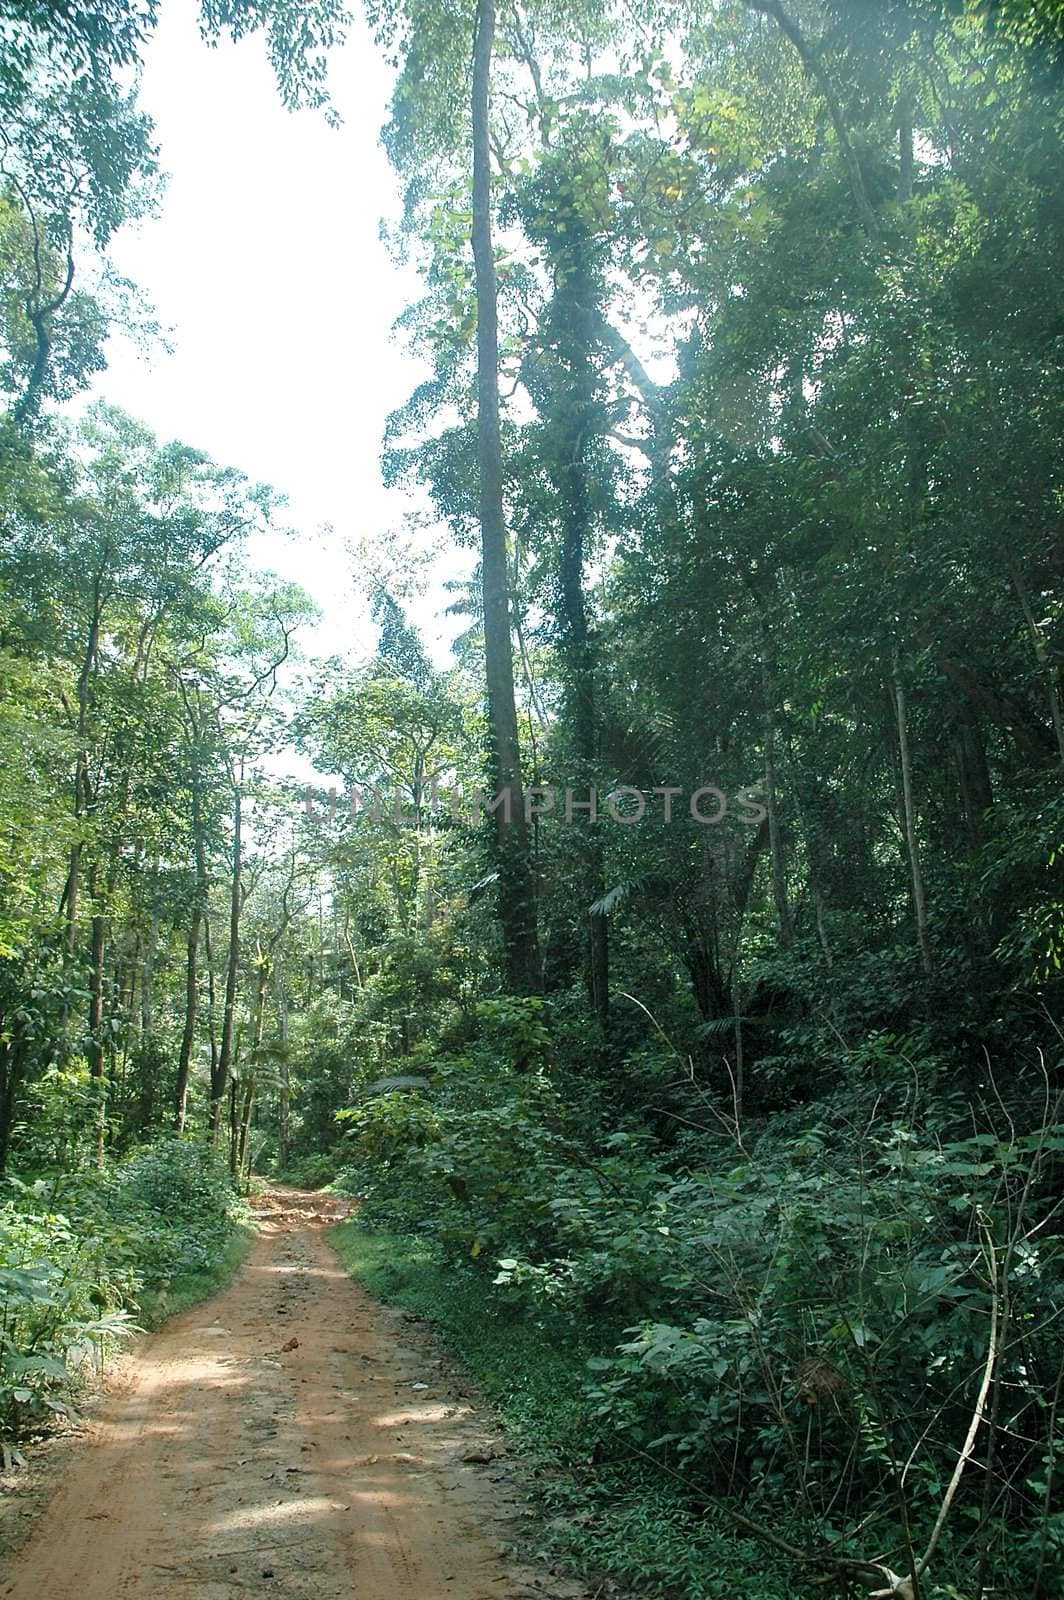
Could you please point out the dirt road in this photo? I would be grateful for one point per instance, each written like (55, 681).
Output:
(284, 1439)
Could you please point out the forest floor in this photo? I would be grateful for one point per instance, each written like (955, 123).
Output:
(289, 1438)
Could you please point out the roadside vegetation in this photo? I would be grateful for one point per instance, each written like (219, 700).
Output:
(795, 1331)
(602, 1513)
(91, 1255)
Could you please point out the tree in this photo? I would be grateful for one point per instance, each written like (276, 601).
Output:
(516, 894)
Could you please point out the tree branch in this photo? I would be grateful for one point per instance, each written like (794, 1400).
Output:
(816, 70)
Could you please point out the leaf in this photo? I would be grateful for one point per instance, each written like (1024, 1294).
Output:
(46, 1366)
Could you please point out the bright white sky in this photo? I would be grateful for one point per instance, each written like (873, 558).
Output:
(266, 268)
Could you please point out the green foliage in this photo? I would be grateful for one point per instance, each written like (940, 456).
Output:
(458, 1161)
(599, 1515)
(799, 1322)
(156, 1303)
(312, 1172)
(536, 1384)
(177, 1200)
(79, 1252)
(60, 1302)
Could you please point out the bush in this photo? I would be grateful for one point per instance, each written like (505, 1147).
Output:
(78, 1251)
(311, 1172)
(178, 1200)
(800, 1323)
(61, 1300)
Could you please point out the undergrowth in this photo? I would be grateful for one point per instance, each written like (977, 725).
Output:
(156, 1303)
(834, 1330)
(91, 1255)
(309, 1171)
(621, 1519)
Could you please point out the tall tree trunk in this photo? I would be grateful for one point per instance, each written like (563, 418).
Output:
(245, 1124)
(11, 1067)
(351, 951)
(598, 931)
(263, 968)
(973, 775)
(905, 147)
(96, 1049)
(516, 893)
(768, 718)
(147, 1057)
(147, 968)
(912, 847)
(220, 1074)
(811, 868)
(775, 838)
(739, 1080)
(1041, 655)
(573, 330)
(72, 888)
(99, 1053)
(212, 997)
(999, 708)
(233, 1125)
(284, 1097)
(82, 786)
(188, 1036)
(813, 63)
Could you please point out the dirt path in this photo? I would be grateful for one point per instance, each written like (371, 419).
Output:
(233, 1461)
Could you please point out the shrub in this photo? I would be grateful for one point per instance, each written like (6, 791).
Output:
(78, 1250)
(178, 1198)
(61, 1300)
(801, 1323)
(311, 1171)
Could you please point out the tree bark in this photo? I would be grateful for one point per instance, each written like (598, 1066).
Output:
(1041, 655)
(574, 329)
(912, 846)
(768, 718)
(264, 967)
(96, 1050)
(814, 66)
(516, 896)
(973, 776)
(11, 1069)
(285, 1093)
(220, 1073)
(245, 1124)
(1030, 738)
(188, 1036)
(212, 997)
(82, 795)
(811, 867)
(775, 837)
(905, 147)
